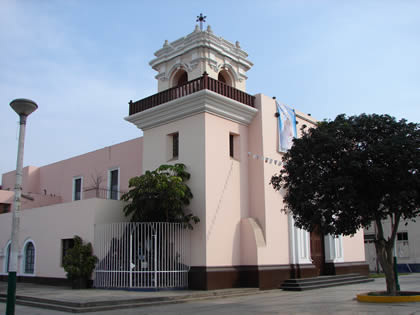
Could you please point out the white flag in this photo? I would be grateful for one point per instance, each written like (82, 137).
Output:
(287, 127)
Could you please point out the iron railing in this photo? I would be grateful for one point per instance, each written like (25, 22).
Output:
(102, 193)
(190, 87)
(142, 255)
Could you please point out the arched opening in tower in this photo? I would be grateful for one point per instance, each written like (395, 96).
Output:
(224, 77)
(180, 78)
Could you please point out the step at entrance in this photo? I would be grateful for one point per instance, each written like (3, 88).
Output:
(323, 282)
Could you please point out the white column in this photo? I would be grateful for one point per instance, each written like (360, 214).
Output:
(299, 244)
(333, 248)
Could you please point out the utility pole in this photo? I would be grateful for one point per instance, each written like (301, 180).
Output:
(23, 108)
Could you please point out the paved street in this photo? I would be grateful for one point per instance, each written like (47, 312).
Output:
(336, 300)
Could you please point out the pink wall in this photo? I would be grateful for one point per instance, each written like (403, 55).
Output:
(265, 203)
(6, 196)
(30, 181)
(47, 226)
(353, 247)
(192, 153)
(256, 168)
(226, 190)
(55, 181)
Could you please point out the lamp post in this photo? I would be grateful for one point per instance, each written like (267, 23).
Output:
(23, 108)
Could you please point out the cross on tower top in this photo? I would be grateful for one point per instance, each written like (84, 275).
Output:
(201, 19)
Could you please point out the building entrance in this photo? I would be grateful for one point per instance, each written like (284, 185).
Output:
(318, 251)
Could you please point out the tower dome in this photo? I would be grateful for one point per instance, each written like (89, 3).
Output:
(187, 58)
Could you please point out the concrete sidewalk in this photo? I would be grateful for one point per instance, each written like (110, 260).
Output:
(93, 300)
(329, 300)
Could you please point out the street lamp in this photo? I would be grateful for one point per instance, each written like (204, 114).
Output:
(23, 108)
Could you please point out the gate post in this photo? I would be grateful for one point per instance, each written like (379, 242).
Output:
(130, 265)
(155, 258)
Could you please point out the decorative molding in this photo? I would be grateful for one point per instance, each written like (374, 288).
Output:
(203, 101)
(231, 71)
(176, 67)
(214, 67)
(242, 77)
(193, 64)
(306, 117)
(199, 39)
(161, 76)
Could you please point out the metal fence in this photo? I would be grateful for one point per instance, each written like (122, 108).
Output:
(142, 255)
(102, 193)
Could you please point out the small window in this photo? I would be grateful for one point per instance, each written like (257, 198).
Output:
(234, 146)
(231, 146)
(370, 237)
(7, 258)
(175, 145)
(172, 146)
(402, 246)
(77, 188)
(29, 253)
(66, 244)
(402, 236)
(4, 207)
(113, 185)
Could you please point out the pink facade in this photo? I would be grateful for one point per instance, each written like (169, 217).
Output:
(228, 140)
(54, 183)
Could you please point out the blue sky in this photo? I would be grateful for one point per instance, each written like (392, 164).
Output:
(82, 61)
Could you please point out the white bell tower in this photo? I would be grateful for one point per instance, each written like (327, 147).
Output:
(200, 117)
(189, 57)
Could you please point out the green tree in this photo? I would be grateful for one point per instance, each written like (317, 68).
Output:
(352, 172)
(79, 261)
(160, 196)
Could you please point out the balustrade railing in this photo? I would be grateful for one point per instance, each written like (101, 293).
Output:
(102, 193)
(190, 87)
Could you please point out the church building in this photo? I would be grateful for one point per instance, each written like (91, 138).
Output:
(231, 142)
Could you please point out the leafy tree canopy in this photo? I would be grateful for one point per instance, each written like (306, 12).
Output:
(160, 196)
(346, 173)
(350, 172)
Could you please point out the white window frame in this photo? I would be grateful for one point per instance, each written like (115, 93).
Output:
(23, 260)
(170, 146)
(401, 243)
(108, 196)
(5, 254)
(334, 251)
(299, 244)
(74, 187)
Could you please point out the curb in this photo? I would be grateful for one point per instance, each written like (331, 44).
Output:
(97, 306)
(365, 297)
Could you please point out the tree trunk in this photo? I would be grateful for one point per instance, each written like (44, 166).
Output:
(384, 253)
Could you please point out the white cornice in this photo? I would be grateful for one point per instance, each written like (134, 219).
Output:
(203, 101)
(201, 39)
(306, 117)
